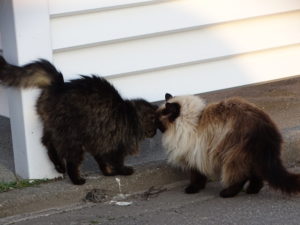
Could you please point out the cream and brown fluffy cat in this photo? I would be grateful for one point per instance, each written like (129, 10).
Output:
(232, 140)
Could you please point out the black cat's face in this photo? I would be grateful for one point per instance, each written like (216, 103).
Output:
(147, 117)
(150, 123)
(167, 113)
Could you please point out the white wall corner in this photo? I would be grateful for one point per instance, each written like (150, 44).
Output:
(25, 30)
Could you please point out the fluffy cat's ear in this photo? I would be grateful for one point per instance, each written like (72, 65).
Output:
(173, 110)
(168, 96)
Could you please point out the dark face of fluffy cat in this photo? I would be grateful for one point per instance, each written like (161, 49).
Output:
(147, 117)
(167, 113)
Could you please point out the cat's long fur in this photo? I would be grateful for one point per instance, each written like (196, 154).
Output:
(83, 115)
(232, 140)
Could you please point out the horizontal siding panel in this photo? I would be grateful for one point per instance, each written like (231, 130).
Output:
(170, 16)
(217, 41)
(227, 73)
(67, 7)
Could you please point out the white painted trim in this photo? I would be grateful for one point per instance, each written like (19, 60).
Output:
(25, 34)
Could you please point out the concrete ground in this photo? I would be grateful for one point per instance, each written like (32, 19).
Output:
(280, 99)
(173, 207)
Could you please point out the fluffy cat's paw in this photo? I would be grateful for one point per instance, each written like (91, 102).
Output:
(254, 186)
(192, 189)
(253, 189)
(79, 181)
(227, 193)
(126, 171)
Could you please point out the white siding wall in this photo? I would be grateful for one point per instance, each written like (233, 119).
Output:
(148, 47)
(182, 46)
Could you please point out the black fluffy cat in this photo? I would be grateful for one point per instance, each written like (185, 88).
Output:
(83, 115)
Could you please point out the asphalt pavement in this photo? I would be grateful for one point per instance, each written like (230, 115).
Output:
(173, 207)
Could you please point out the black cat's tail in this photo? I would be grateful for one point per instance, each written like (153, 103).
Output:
(40, 73)
(268, 163)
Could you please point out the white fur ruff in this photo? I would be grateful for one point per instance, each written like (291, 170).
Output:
(185, 145)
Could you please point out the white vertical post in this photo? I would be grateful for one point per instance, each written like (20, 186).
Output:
(25, 33)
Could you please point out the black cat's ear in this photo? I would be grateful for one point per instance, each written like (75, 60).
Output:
(168, 96)
(173, 110)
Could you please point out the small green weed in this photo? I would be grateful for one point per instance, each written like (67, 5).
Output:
(20, 184)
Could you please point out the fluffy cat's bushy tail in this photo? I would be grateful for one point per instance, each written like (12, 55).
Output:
(40, 73)
(268, 163)
(281, 179)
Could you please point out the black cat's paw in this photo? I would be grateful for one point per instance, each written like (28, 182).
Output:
(79, 181)
(60, 169)
(112, 173)
(126, 170)
(192, 189)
